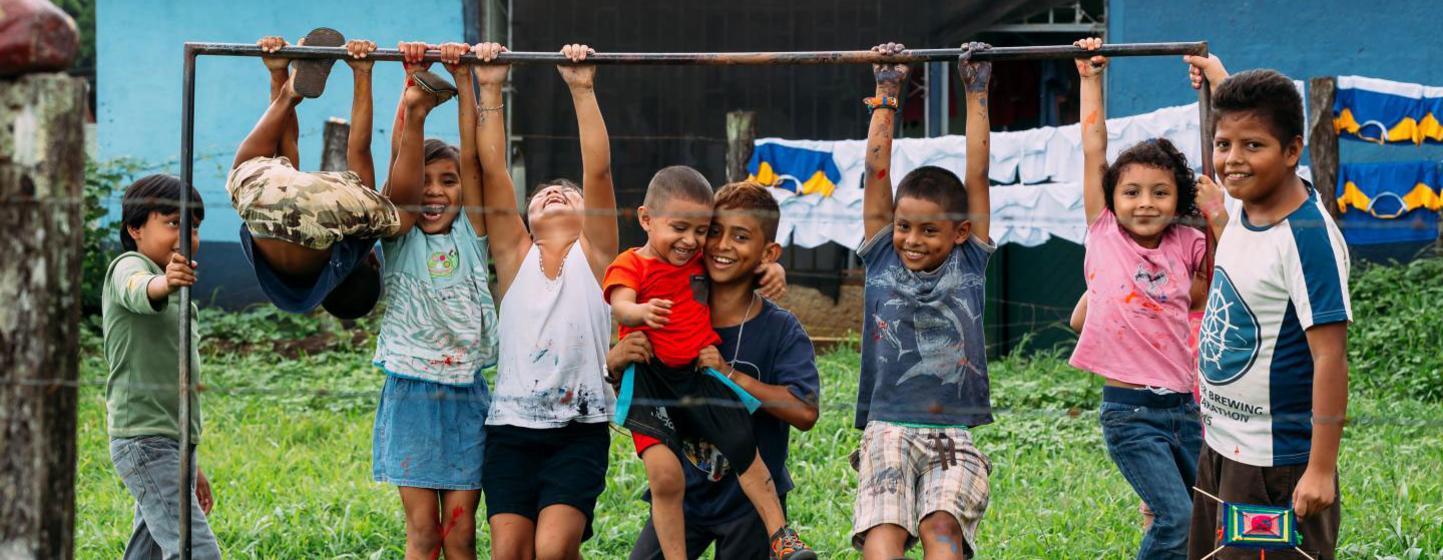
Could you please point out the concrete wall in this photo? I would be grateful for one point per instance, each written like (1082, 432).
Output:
(139, 65)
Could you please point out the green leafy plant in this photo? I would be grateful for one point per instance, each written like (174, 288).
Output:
(1397, 332)
(104, 184)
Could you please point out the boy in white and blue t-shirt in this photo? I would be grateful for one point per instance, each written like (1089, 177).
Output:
(1272, 352)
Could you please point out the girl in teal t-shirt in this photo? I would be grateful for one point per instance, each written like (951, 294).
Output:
(439, 329)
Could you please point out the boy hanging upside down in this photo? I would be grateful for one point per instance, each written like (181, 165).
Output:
(310, 235)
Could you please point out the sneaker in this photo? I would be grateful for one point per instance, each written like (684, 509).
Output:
(786, 545)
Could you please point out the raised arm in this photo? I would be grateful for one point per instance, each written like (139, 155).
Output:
(1215, 214)
(877, 203)
(472, 201)
(1094, 129)
(358, 143)
(598, 227)
(975, 77)
(280, 72)
(509, 239)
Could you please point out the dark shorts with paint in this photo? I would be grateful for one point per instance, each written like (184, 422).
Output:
(668, 405)
(526, 470)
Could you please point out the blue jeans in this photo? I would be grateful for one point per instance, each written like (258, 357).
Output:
(149, 466)
(1155, 440)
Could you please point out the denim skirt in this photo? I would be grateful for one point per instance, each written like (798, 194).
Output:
(430, 435)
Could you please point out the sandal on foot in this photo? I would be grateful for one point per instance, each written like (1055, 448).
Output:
(435, 85)
(311, 74)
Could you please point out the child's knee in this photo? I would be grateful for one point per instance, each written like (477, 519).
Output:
(666, 484)
(423, 535)
(460, 539)
(940, 524)
(554, 550)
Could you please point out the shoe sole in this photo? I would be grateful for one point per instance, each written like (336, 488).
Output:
(434, 85)
(311, 74)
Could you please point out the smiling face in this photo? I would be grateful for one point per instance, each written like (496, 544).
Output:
(922, 236)
(556, 208)
(735, 246)
(1145, 202)
(676, 230)
(159, 237)
(1250, 159)
(441, 197)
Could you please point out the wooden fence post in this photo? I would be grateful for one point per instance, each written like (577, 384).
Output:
(1323, 141)
(42, 173)
(741, 134)
(333, 150)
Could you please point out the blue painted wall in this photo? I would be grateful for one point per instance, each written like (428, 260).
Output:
(139, 80)
(1390, 39)
(139, 71)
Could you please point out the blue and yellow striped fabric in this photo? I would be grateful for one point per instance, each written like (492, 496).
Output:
(1389, 190)
(799, 170)
(1393, 202)
(1387, 112)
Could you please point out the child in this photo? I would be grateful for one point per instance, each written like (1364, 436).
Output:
(667, 275)
(1142, 267)
(773, 361)
(439, 329)
(924, 365)
(546, 433)
(1272, 355)
(309, 234)
(140, 311)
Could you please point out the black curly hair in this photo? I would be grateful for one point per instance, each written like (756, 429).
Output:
(1157, 153)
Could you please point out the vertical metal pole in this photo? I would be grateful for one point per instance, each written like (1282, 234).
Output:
(187, 143)
(1205, 115)
(937, 98)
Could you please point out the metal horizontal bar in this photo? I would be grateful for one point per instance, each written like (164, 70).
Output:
(732, 58)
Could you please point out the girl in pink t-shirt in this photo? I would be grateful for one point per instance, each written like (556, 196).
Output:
(1144, 271)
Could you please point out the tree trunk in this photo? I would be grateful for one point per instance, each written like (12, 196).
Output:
(1323, 141)
(42, 168)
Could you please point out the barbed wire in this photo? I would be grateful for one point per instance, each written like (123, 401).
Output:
(531, 400)
(996, 217)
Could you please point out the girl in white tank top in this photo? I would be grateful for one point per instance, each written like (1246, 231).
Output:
(556, 333)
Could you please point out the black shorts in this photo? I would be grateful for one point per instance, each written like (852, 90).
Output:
(677, 404)
(525, 470)
(1246, 484)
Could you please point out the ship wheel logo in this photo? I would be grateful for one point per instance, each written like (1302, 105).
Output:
(1228, 339)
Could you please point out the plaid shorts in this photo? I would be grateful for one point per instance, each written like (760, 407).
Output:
(906, 473)
(311, 209)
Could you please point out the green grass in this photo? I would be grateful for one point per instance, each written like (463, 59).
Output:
(291, 468)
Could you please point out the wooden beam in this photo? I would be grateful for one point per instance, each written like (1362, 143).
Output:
(42, 171)
(741, 135)
(1323, 141)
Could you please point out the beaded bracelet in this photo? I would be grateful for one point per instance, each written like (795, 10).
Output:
(882, 102)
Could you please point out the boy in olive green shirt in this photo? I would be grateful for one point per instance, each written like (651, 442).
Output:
(139, 307)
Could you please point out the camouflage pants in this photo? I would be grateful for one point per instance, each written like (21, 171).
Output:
(310, 209)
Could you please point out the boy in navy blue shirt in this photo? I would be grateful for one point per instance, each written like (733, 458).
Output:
(765, 350)
(923, 383)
